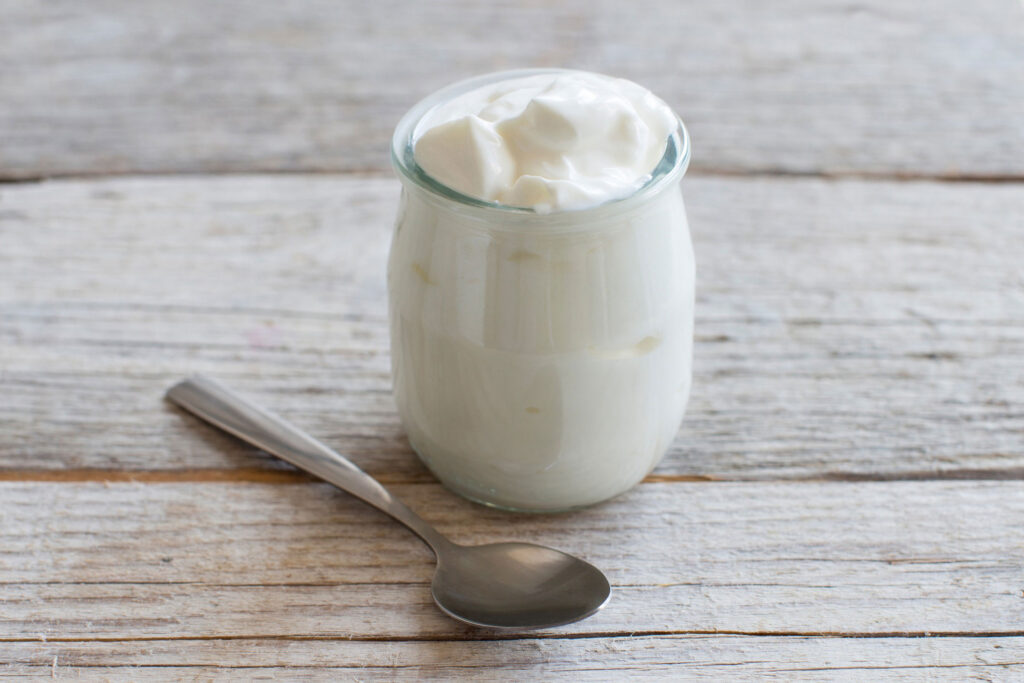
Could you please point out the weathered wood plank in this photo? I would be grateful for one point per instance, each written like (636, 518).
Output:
(845, 328)
(736, 658)
(86, 561)
(798, 86)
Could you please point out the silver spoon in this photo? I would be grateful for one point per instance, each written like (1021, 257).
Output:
(499, 585)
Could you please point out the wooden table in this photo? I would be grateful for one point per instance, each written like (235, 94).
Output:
(197, 186)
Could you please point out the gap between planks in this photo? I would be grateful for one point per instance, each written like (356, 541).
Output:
(254, 475)
(371, 173)
(497, 637)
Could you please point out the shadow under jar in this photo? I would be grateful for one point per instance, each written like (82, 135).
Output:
(541, 362)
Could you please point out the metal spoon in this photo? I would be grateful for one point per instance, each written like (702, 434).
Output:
(499, 585)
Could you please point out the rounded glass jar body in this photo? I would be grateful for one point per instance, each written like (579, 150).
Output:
(541, 361)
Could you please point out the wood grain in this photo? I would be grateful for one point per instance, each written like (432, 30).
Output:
(736, 658)
(843, 500)
(799, 86)
(124, 561)
(846, 329)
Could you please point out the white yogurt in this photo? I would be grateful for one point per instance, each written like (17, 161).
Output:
(541, 361)
(551, 141)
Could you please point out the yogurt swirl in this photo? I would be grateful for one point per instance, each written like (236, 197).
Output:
(551, 142)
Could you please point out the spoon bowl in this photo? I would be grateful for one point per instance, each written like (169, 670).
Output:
(501, 585)
(517, 586)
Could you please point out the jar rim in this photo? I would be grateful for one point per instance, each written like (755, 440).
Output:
(670, 168)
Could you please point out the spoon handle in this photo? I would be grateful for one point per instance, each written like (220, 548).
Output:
(218, 405)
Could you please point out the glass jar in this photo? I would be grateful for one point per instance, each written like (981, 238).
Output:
(541, 361)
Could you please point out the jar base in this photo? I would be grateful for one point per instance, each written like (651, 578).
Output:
(508, 508)
(468, 494)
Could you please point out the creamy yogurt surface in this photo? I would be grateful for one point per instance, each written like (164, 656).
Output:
(553, 141)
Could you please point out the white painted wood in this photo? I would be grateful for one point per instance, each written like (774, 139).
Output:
(845, 328)
(799, 86)
(703, 657)
(125, 561)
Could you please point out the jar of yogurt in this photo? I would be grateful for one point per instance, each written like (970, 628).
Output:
(541, 286)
